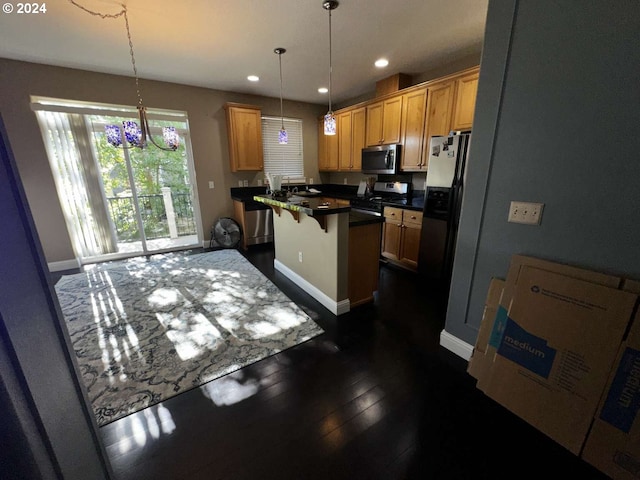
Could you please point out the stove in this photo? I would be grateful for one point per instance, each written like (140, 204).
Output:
(396, 192)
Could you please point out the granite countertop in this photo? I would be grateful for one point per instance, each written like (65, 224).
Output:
(312, 206)
(248, 194)
(414, 203)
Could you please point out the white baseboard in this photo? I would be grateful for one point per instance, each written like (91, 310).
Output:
(337, 308)
(63, 265)
(455, 345)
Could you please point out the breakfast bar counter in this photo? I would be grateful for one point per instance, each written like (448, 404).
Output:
(328, 251)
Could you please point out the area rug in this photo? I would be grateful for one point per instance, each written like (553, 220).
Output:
(144, 330)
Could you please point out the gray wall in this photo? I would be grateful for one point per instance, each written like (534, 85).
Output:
(556, 122)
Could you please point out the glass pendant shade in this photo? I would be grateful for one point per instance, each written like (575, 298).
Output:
(329, 124)
(113, 135)
(171, 137)
(283, 137)
(132, 133)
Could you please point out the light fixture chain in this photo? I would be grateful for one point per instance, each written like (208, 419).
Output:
(98, 14)
(330, 63)
(133, 58)
(121, 13)
(281, 111)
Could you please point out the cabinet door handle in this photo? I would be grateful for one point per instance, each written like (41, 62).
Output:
(413, 217)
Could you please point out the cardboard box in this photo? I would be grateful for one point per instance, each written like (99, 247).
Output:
(558, 344)
(479, 363)
(613, 444)
(518, 262)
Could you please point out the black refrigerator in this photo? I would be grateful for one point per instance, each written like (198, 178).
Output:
(444, 188)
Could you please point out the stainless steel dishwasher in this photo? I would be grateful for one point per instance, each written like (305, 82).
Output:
(258, 222)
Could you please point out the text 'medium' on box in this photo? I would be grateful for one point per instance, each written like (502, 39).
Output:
(560, 340)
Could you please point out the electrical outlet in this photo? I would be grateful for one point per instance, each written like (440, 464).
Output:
(345, 180)
(240, 183)
(300, 257)
(259, 182)
(211, 184)
(310, 180)
(245, 183)
(525, 212)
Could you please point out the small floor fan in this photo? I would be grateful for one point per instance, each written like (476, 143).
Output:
(226, 232)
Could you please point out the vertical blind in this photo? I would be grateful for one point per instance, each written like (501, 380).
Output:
(279, 159)
(66, 140)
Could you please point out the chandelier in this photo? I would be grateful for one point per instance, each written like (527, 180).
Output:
(136, 135)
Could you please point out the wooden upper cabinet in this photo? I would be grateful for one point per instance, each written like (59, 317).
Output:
(466, 91)
(343, 120)
(439, 109)
(351, 138)
(244, 130)
(391, 120)
(358, 134)
(438, 117)
(410, 117)
(327, 149)
(414, 106)
(374, 123)
(384, 121)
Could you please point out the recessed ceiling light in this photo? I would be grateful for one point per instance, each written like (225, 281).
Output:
(323, 90)
(253, 78)
(381, 63)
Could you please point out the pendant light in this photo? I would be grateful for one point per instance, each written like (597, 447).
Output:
(137, 135)
(283, 138)
(329, 118)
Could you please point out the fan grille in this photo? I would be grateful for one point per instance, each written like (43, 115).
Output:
(226, 232)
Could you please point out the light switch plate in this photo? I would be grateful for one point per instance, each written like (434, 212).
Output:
(526, 213)
(211, 184)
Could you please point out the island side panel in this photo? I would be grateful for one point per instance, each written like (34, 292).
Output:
(324, 254)
(364, 254)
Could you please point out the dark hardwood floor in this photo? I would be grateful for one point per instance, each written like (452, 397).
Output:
(374, 397)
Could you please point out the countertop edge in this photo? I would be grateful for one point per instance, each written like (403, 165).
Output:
(312, 212)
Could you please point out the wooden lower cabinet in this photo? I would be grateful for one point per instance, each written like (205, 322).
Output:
(401, 236)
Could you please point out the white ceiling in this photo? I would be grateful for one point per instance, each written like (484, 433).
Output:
(218, 43)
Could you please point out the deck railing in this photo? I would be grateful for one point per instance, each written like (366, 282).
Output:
(165, 215)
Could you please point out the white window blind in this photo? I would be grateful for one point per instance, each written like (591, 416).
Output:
(279, 159)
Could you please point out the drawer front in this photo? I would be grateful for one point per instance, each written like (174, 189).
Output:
(413, 217)
(393, 213)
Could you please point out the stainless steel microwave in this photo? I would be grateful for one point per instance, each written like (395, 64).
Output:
(381, 159)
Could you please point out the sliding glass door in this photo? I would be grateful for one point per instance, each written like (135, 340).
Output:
(121, 202)
(148, 192)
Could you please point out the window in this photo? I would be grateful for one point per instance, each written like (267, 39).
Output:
(118, 201)
(285, 160)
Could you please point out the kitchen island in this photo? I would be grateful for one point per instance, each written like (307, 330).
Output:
(327, 250)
